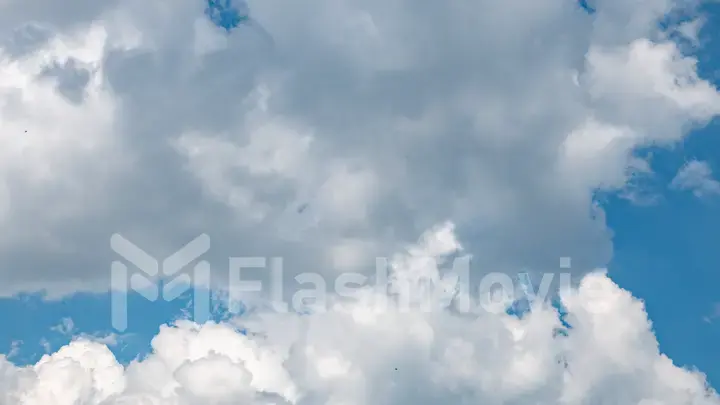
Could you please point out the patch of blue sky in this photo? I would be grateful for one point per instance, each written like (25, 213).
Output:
(38, 323)
(585, 5)
(227, 14)
(664, 247)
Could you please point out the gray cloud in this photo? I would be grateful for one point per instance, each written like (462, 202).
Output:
(384, 117)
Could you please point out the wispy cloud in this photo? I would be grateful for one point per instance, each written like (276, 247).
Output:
(696, 176)
(714, 314)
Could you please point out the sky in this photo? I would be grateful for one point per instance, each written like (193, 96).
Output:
(544, 137)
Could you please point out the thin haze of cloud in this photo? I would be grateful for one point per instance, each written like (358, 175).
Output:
(714, 314)
(66, 327)
(696, 176)
(494, 291)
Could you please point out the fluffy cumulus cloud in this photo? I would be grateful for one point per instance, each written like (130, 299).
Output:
(355, 353)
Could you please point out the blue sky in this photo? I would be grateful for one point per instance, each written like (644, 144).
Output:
(664, 253)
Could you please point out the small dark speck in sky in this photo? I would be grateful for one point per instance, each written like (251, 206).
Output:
(302, 208)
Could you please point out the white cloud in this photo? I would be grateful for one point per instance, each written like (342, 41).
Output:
(353, 354)
(696, 176)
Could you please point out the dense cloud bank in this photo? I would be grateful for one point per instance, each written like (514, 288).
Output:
(330, 132)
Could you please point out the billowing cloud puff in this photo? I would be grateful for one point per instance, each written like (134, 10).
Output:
(602, 352)
(328, 132)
